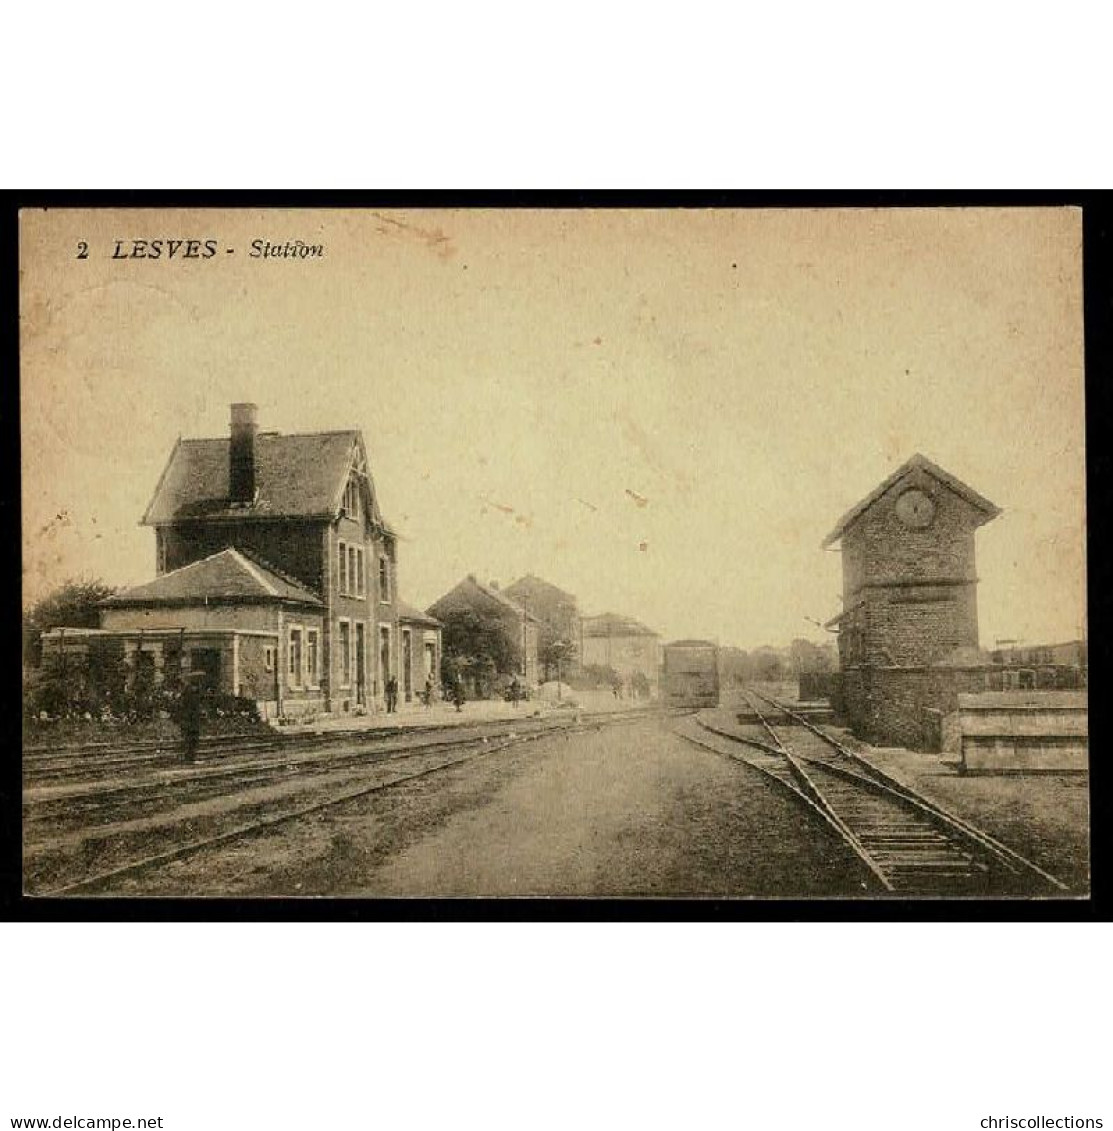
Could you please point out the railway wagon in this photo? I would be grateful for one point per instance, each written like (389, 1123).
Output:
(690, 673)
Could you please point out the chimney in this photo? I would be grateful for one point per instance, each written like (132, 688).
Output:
(241, 455)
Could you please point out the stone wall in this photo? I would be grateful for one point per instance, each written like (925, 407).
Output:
(912, 626)
(903, 706)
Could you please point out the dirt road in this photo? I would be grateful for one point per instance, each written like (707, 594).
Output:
(628, 809)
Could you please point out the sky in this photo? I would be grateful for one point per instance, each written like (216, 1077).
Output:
(663, 412)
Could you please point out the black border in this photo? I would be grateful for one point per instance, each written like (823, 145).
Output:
(1098, 313)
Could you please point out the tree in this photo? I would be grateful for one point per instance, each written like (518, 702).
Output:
(766, 665)
(74, 604)
(593, 676)
(478, 647)
(734, 665)
(556, 654)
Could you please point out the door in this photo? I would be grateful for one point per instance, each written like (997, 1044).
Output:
(207, 661)
(384, 656)
(407, 666)
(361, 666)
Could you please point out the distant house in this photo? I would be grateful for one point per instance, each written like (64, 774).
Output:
(624, 644)
(471, 610)
(277, 576)
(1040, 667)
(560, 618)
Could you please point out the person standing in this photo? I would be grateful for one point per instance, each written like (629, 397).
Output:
(189, 716)
(458, 693)
(391, 695)
(428, 697)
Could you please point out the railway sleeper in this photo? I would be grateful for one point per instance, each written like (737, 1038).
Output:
(917, 860)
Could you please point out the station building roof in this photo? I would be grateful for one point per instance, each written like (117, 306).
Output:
(297, 476)
(412, 615)
(228, 576)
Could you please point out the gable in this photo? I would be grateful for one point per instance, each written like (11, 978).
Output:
(530, 588)
(356, 485)
(909, 474)
(472, 594)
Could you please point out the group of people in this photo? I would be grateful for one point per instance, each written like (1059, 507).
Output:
(427, 695)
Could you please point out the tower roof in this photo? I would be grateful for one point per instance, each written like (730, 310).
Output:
(918, 463)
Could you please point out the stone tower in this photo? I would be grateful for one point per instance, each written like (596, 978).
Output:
(909, 597)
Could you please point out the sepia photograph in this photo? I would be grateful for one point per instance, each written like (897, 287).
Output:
(658, 553)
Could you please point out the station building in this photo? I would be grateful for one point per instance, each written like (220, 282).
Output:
(276, 576)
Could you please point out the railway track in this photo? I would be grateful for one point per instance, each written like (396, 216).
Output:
(46, 766)
(121, 844)
(911, 846)
(113, 789)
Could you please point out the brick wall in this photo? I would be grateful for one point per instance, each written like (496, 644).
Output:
(293, 547)
(218, 617)
(902, 706)
(367, 610)
(878, 547)
(255, 681)
(911, 596)
(918, 625)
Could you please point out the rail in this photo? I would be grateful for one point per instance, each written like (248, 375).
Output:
(1009, 857)
(909, 844)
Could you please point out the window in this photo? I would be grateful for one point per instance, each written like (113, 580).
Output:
(312, 657)
(351, 498)
(350, 581)
(160, 544)
(384, 578)
(268, 658)
(345, 647)
(295, 657)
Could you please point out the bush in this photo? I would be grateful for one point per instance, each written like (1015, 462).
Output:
(81, 693)
(221, 706)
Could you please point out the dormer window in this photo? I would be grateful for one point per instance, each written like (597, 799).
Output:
(351, 498)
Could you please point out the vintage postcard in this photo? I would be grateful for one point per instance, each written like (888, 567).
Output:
(615, 552)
